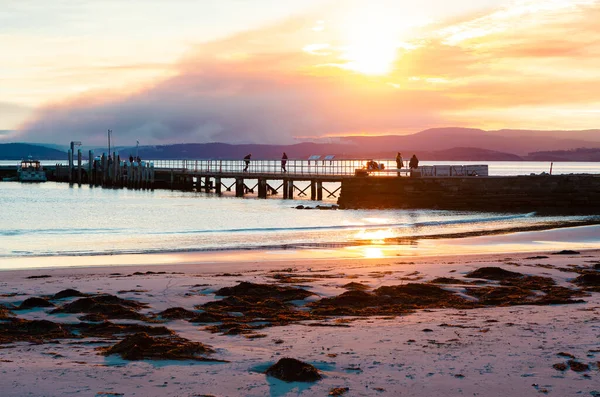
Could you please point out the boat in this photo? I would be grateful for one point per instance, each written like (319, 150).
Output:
(31, 171)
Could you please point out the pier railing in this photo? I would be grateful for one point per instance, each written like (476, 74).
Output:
(292, 167)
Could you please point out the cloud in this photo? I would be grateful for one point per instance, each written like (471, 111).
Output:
(275, 84)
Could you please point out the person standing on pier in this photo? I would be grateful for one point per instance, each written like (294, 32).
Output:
(284, 162)
(247, 161)
(399, 161)
(414, 162)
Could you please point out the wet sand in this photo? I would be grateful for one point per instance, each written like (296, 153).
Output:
(521, 333)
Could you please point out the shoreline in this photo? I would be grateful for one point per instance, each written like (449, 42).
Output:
(516, 240)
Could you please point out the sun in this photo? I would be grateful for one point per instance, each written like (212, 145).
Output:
(371, 58)
(373, 36)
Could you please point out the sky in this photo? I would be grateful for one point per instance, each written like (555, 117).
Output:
(283, 71)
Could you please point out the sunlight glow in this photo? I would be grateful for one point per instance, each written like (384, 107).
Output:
(373, 38)
(373, 253)
(375, 236)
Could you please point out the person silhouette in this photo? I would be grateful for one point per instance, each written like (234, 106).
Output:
(399, 162)
(414, 162)
(284, 162)
(247, 161)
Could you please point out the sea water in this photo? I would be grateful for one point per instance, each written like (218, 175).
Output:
(55, 219)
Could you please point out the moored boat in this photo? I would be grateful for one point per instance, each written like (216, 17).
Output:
(31, 171)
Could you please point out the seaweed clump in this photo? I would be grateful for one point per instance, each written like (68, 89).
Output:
(107, 306)
(34, 331)
(590, 281)
(142, 346)
(68, 293)
(292, 370)
(252, 290)
(493, 273)
(247, 303)
(34, 302)
(518, 289)
(389, 300)
(177, 313)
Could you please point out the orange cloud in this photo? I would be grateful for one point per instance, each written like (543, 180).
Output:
(291, 80)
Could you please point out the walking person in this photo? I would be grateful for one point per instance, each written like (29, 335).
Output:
(284, 162)
(247, 161)
(399, 162)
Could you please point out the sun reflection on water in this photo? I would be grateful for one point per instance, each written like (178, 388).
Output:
(375, 236)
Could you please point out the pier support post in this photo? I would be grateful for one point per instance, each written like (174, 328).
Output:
(129, 174)
(114, 169)
(152, 176)
(313, 190)
(90, 167)
(285, 188)
(319, 190)
(218, 185)
(262, 188)
(104, 169)
(239, 187)
(70, 166)
(207, 184)
(290, 189)
(172, 178)
(79, 167)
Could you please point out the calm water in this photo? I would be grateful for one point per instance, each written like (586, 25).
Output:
(55, 219)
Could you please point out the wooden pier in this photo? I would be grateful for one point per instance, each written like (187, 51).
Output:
(314, 179)
(317, 179)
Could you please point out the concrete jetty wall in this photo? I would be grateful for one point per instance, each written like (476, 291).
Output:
(560, 194)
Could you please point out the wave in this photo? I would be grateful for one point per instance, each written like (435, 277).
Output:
(117, 230)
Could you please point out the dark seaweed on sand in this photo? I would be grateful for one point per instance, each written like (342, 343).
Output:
(142, 346)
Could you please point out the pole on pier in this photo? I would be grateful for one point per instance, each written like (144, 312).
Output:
(239, 187)
(79, 167)
(285, 188)
(172, 178)
(291, 190)
(218, 185)
(207, 184)
(152, 176)
(313, 190)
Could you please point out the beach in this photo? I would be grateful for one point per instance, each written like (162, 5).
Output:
(397, 323)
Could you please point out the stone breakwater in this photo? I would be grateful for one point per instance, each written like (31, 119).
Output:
(553, 194)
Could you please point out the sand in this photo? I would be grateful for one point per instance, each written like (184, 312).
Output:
(491, 351)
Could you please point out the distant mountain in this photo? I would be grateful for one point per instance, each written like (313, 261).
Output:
(433, 144)
(470, 154)
(19, 151)
(580, 154)
(519, 142)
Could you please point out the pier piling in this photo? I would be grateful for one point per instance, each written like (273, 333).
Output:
(79, 167)
(239, 187)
